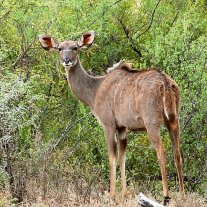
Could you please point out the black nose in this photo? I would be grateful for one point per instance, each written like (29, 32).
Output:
(67, 60)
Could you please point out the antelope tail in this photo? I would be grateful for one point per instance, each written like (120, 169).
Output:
(171, 101)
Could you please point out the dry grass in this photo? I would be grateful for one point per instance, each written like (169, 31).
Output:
(190, 200)
(72, 196)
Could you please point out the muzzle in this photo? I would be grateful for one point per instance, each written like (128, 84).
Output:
(66, 62)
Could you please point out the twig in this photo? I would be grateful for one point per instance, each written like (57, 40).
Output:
(104, 12)
(188, 119)
(23, 53)
(150, 24)
(127, 33)
(173, 21)
(67, 129)
(5, 15)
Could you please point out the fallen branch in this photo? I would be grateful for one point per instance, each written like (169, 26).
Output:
(146, 202)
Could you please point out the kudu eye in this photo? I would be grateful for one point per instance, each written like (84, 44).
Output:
(75, 48)
(60, 49)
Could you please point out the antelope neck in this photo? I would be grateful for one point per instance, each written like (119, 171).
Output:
(83, 85)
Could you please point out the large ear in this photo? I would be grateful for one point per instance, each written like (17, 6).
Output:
(86, 39)
(47, 42)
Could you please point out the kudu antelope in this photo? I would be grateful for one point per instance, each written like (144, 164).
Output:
(123, 100)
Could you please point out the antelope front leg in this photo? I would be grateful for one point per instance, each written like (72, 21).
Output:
(110, 138)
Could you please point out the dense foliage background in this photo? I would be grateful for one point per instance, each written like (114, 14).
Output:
(49, 140)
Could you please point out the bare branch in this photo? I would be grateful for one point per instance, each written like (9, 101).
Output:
(173, 21)
(4, 16)
(67, 129)
(127, 33)
(22, 55)
(150, 24)
(7, 12)
(104, 12)
(25, 45)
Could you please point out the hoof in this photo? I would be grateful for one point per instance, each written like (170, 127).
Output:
(166, 200)
(124, 193)
(112, 196)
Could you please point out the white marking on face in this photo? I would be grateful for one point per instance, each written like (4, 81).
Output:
(67, 65)
(67, 50)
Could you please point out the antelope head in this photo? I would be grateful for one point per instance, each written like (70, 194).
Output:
(68, 50)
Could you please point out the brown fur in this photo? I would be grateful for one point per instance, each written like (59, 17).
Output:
(126, 66)
(127, 99)
(123, 89)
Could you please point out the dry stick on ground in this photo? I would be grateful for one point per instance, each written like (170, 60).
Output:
(146, 202)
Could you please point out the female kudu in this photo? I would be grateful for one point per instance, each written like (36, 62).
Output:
(122, 100)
